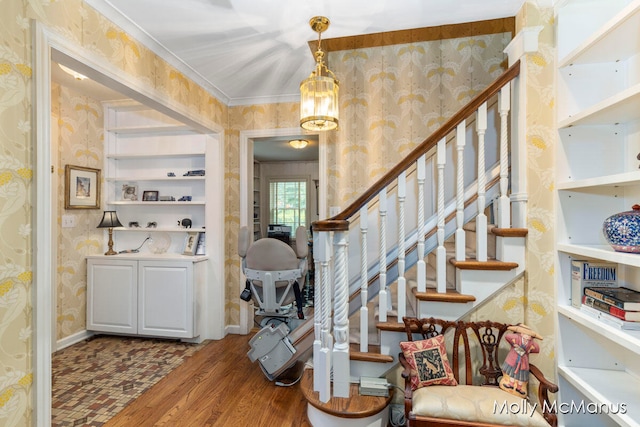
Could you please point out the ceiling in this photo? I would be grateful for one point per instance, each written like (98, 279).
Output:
(256, 51)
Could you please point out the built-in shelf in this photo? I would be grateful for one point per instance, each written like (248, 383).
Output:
(148, 178)
(628, 339)
(617, 180)
(151, 204)
(142, 146)
(610, 389)
(615, 41)
(603, 252)
(598, 106)
(620, 108)
(165, 229)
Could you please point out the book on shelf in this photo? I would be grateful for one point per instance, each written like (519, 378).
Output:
(630, 316)
(590, 273)
(622, 297)
(608, 319)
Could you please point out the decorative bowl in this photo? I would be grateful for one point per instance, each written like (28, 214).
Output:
(622, 230)
(159, 242)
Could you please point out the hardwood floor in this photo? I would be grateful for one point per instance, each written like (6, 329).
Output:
(218, 386)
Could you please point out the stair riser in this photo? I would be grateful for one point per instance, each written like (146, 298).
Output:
(482, 283)
(443, 310)
(511, 249)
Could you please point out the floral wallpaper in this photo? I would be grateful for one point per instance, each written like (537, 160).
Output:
(391, 99)
(532, 299)
(79, 120)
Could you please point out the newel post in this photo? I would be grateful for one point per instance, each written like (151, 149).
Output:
(526, 41)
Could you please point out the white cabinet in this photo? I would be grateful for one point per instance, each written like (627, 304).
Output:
(163, 164)
(598, 101)
(145, 295)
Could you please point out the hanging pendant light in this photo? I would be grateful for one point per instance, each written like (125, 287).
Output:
(319, 92)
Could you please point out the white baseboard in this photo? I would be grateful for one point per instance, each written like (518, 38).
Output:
(73, 339)
(233, 329)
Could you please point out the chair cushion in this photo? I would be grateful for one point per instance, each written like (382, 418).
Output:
(428, 362)
(476, 404)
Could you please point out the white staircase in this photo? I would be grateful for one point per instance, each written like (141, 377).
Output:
(409, 246)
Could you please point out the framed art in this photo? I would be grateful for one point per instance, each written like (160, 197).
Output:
(82, 187)
(190, 243)
(150, 196)
(130, 192)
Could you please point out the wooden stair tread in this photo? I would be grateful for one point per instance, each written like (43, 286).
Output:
(450, 296)
(354, 406)
(491, 264)
(373, 355)
(510, 232)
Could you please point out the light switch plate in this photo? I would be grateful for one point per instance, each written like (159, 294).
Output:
(68, 221)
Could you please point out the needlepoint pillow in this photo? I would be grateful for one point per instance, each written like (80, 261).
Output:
(428, 362)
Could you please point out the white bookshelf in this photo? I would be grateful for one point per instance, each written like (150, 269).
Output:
(147, 149)
(598, 175)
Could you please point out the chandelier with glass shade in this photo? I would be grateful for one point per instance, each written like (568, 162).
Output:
(319, 92)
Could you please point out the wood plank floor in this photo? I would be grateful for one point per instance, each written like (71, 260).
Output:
(218, 386)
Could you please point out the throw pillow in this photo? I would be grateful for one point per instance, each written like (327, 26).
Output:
(428, 362)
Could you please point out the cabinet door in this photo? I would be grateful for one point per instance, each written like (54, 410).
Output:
(165, 299)
(112, 295)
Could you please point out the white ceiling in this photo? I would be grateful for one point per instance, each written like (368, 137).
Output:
(256, 51)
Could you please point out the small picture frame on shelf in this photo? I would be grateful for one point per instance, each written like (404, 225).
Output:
(82, 187)
(190, 243)
(150, 196)
(130, 192)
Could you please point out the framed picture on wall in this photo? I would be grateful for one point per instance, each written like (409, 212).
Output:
(82, 187)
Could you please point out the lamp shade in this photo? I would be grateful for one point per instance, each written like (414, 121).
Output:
(109, 220)
(319, 92)
(298, 144)
(319, 103)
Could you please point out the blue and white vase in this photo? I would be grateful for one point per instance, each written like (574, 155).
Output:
(622, 230)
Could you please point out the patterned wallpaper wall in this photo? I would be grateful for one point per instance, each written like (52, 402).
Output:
(80, 130)
(391, 99)
(382, 118)
(531, 300)
(82, 25)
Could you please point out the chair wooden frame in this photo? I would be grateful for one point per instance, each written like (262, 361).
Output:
(488, 335)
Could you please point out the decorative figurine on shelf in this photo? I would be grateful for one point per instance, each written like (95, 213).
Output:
(515, 369)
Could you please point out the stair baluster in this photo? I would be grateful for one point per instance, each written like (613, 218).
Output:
(402, 282)
(504, 208)
(383, 296)
(481, 219)
(461, 243)
(441, 251)
(364, 280)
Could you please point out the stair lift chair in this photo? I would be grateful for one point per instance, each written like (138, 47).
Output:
(274, 273)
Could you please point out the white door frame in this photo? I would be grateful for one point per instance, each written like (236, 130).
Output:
(48, 45)
(246, 192)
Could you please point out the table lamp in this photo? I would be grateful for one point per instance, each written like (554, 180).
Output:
(110, 220)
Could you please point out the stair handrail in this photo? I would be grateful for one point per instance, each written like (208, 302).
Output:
(340, 221)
